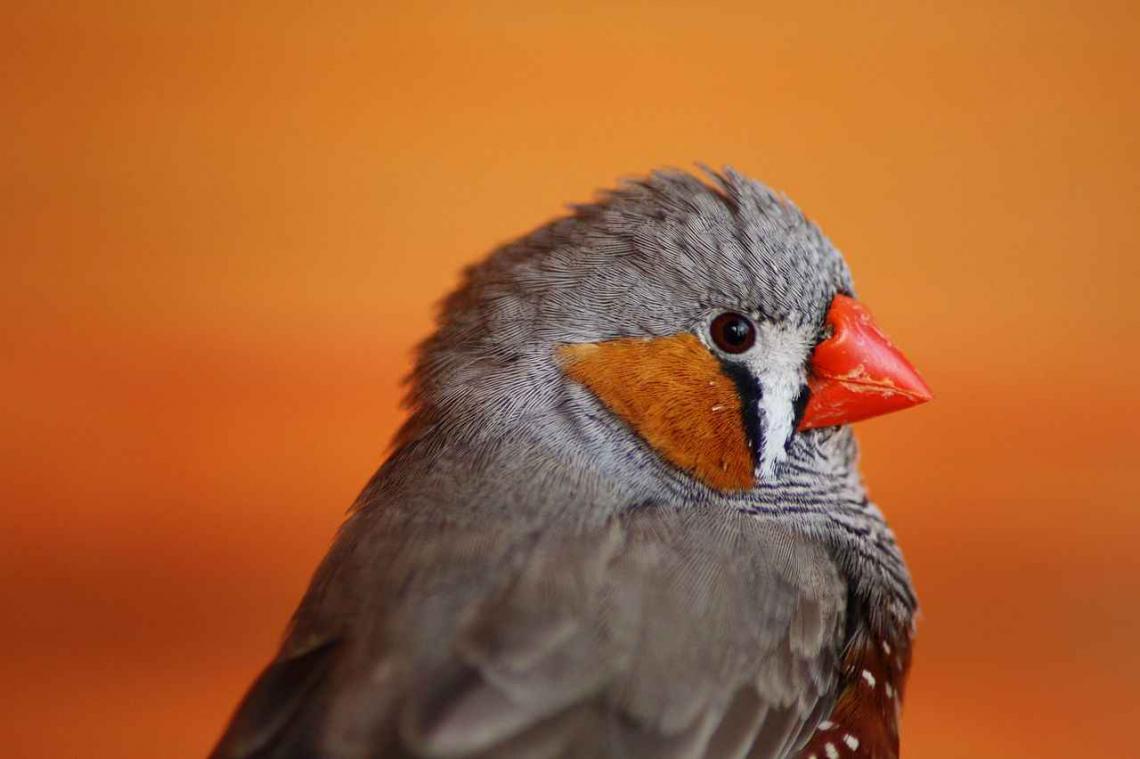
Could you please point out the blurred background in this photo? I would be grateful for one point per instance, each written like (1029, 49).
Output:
(224, 229)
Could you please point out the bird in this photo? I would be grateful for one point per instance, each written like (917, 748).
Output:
(624, 516)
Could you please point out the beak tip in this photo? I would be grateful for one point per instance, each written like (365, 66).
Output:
(926, 395)
(917, 388)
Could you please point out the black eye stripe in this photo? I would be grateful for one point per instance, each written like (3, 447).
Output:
(751, 392)
(733, 332)
(799, 406)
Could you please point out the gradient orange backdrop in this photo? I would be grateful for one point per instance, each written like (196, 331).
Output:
(223, 230)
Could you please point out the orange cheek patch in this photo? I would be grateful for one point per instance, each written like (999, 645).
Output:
(672, 392)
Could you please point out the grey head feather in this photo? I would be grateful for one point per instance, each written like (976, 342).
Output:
(646, 259)
(650, 258)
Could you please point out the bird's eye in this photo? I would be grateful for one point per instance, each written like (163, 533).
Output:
(733, 332)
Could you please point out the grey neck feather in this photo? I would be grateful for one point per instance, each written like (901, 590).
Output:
(566, 461)
(817, 491)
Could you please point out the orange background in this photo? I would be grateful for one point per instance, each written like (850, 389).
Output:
(223, 230)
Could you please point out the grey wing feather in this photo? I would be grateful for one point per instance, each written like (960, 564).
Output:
(277, 704)
(664, 634)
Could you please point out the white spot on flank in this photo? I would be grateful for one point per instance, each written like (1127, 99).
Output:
(869, 677)
(886, 648)
(831, 751)
(851, 741)
(890, 690)
(826, 725)
(717, 407)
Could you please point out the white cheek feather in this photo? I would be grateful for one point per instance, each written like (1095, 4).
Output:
(780, 357)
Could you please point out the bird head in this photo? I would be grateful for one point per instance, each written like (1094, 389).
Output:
(713, 323)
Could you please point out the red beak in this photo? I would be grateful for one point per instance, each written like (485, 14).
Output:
(856, 373)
